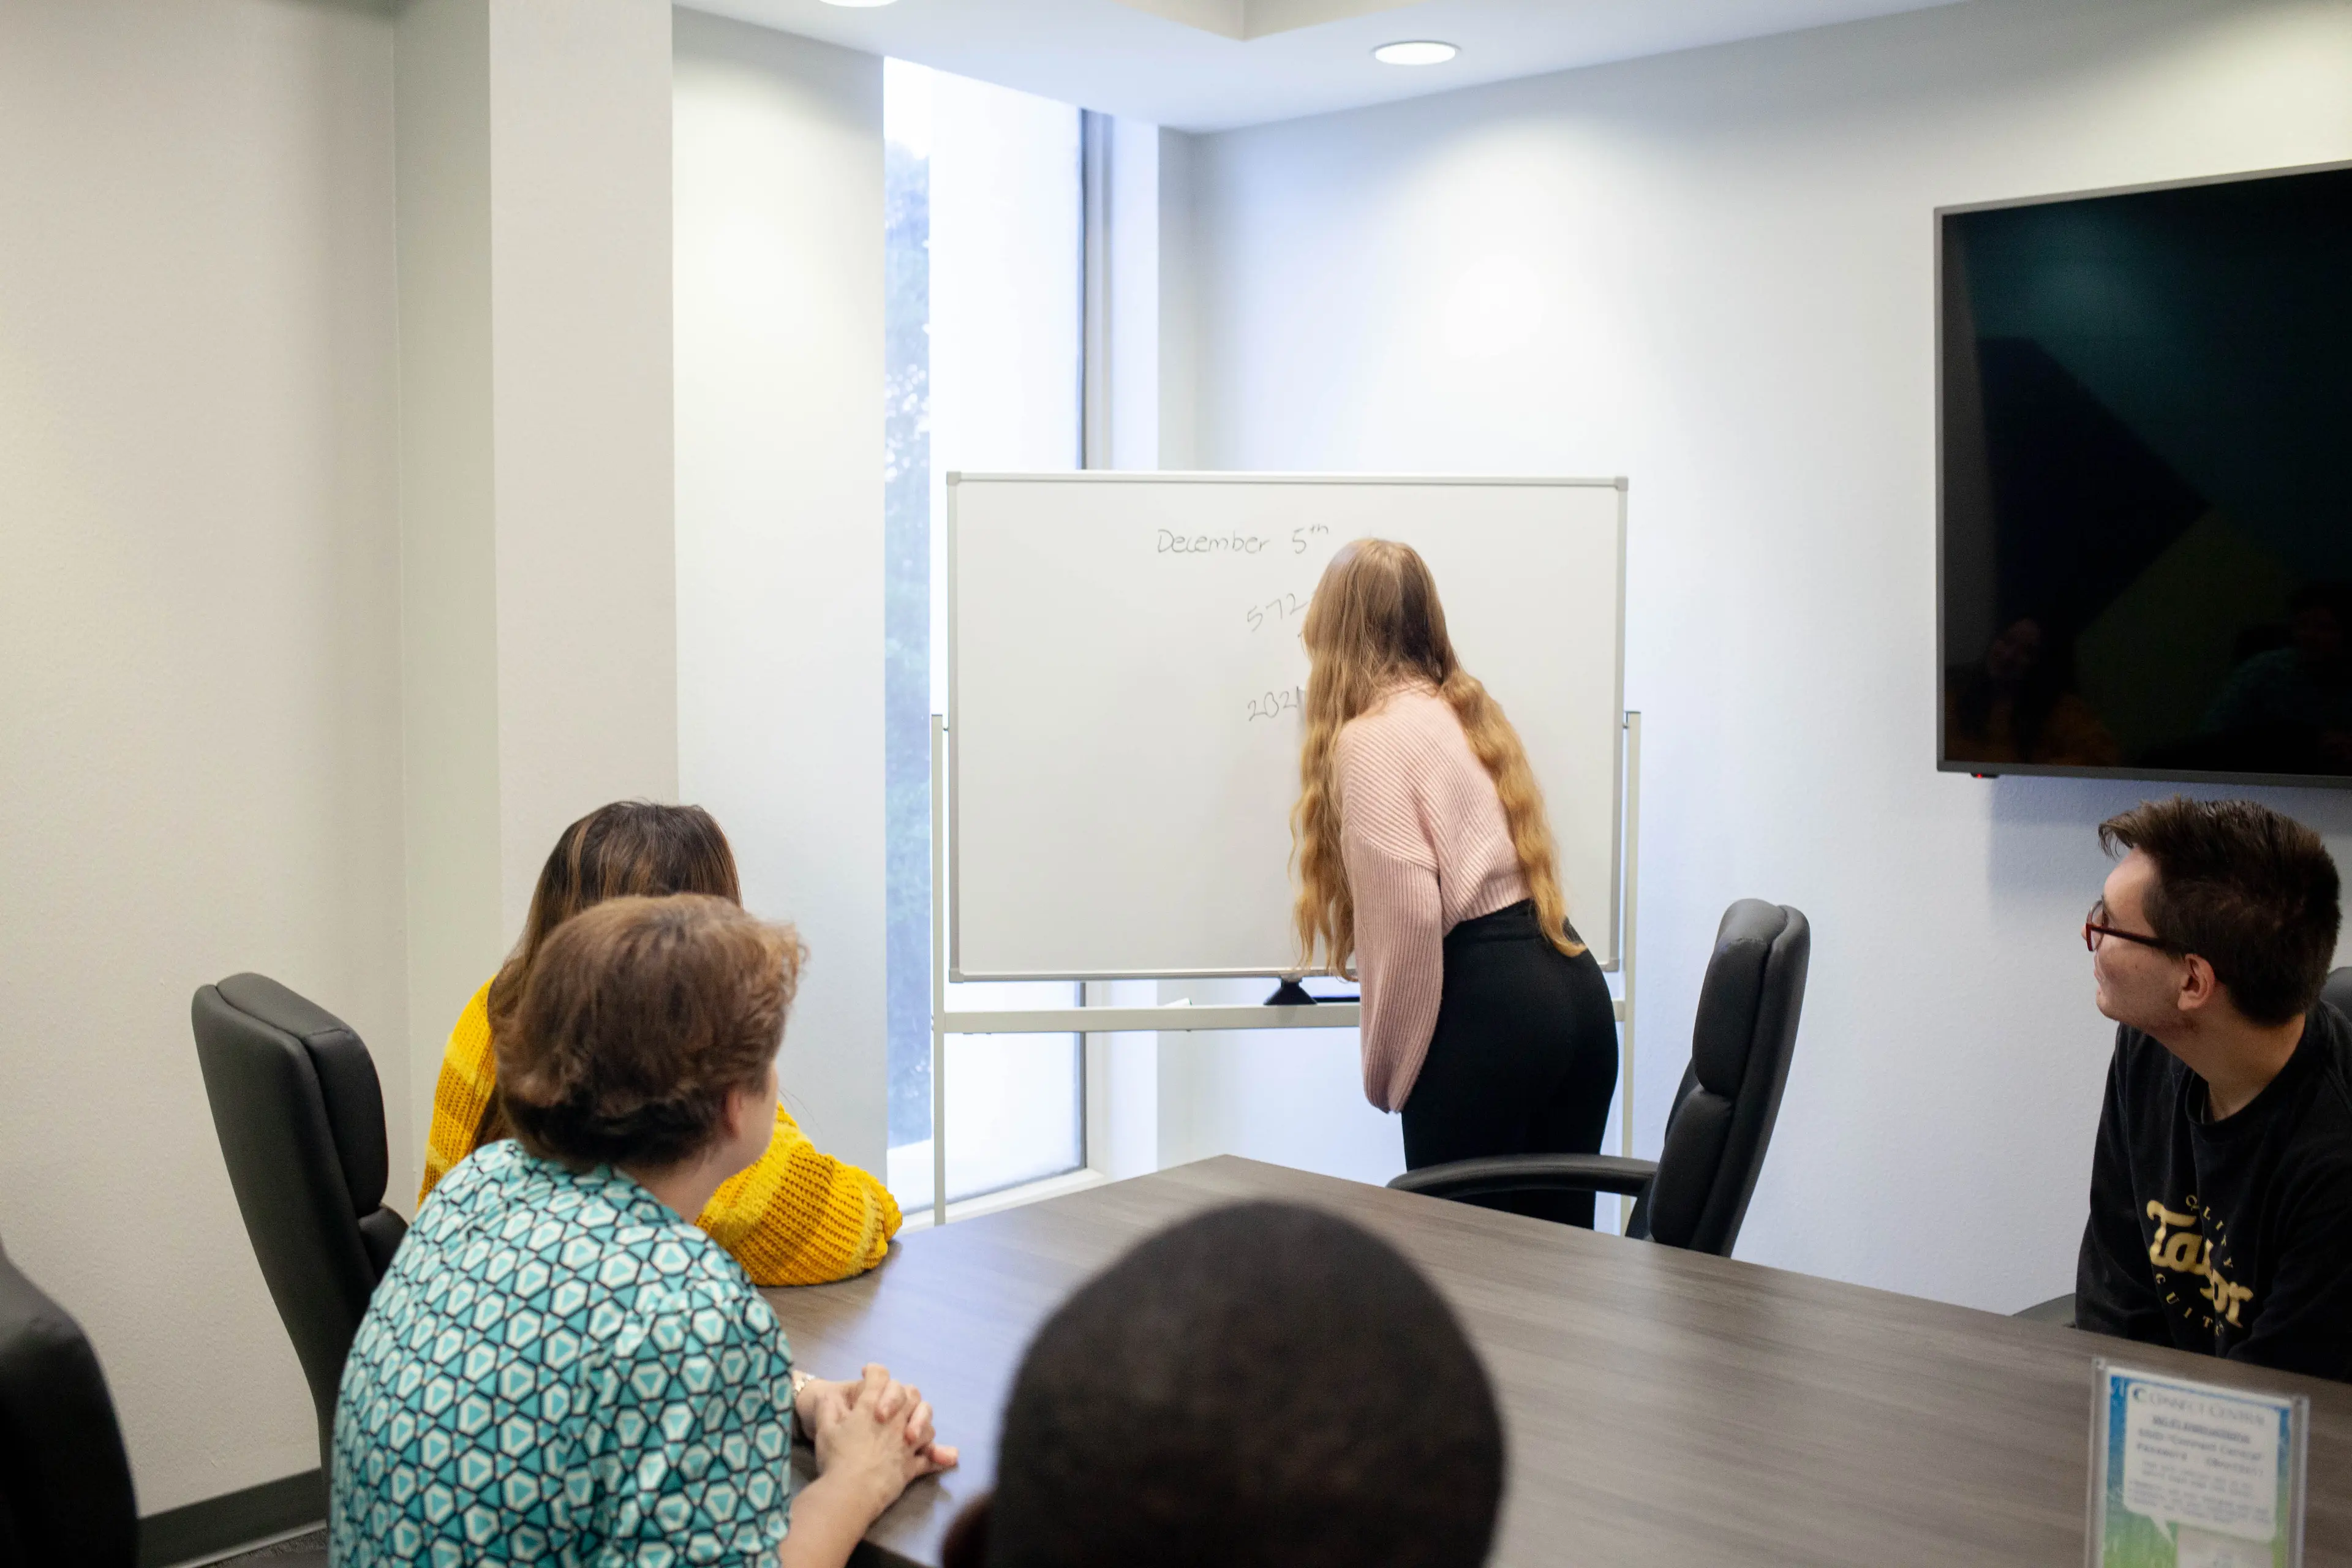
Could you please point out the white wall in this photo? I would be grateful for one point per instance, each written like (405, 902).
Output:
(448, 541)
(1177, 360)
(199, 720)
(580, 303)
(1291, 1097)
(779, 367)
(1712, 272)
(335, 467)
(538, 605)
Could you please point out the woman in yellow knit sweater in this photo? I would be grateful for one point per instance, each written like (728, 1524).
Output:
(796, 1217)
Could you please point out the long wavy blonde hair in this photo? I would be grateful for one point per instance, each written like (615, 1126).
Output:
(1374, 624)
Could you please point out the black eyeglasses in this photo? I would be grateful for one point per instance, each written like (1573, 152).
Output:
(2096, 927)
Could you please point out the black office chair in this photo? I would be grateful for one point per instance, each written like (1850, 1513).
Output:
(1696, 1195)
(301, 1118)
(65, 1482)
(2060, 1310)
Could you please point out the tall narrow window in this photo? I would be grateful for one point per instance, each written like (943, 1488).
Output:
(982, 259)
(906, 598)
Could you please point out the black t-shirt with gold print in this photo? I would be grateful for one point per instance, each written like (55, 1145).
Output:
(2231, 1238)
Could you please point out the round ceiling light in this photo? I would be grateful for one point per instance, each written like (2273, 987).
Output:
(1415, 52)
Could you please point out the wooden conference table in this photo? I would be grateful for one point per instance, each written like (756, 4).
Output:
(1661, 1407)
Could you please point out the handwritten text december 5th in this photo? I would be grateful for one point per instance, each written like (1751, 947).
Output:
(1168, 541)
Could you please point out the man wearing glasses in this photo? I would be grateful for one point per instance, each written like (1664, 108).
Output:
(2221, 1190)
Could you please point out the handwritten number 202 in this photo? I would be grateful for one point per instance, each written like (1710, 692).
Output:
(1272, 704)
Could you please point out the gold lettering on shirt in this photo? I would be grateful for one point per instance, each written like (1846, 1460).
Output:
(2179, 1248)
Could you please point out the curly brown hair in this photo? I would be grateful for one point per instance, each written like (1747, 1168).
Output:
(640, 1018)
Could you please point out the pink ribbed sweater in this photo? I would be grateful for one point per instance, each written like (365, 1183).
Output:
(1423, 839)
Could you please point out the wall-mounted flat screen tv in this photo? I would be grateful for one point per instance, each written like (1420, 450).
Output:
(2146, 483)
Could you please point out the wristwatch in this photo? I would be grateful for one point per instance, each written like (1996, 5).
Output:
(801, 1380)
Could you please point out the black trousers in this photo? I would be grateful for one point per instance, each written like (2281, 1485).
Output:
(1522, 1059)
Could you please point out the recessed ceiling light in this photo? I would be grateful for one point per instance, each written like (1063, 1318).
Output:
(1416, 52)
(860, 3)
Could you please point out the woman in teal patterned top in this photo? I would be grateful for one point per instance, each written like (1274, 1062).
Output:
(560, 1367)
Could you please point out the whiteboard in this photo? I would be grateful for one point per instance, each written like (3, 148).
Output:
(1124, 684)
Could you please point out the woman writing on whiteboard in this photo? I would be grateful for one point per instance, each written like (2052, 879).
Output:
(1424, 854)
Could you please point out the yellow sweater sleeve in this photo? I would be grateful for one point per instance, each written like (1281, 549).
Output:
(468, 1072)
(796, 1217)
(799, 1217)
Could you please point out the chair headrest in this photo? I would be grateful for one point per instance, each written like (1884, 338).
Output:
(1733, 991)
(347, 1079)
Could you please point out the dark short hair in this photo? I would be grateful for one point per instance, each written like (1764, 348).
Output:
(2252, 892)
(641, 1016)
(1261, 1385)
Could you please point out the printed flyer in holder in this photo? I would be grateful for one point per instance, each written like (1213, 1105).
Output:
(2189, 1475)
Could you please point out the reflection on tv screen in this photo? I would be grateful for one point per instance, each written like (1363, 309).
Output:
(2147, 481)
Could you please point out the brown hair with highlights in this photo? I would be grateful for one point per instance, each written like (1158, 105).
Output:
(2249, 891)
(631, 847)
(640, 1018)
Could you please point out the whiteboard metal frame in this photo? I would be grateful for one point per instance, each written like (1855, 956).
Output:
(957, 478)
(1629, 850)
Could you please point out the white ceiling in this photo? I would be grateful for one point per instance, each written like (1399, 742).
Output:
(1256, 18)
(1118, 55)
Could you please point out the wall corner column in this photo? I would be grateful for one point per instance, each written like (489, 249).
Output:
(538, 603)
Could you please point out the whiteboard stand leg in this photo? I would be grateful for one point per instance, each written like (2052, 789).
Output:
(938, 974)
(1626, 946)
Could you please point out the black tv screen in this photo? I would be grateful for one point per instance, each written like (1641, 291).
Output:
(2146, 483)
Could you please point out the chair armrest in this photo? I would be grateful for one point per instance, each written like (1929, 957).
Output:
(1531, 1173)
(2058, 1309)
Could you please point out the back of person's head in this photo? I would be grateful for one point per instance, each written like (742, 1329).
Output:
(1376, 615)
(641, 1016)
(1375, 621)
(631, 847)
(2252, 892)
(1262, 1385)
